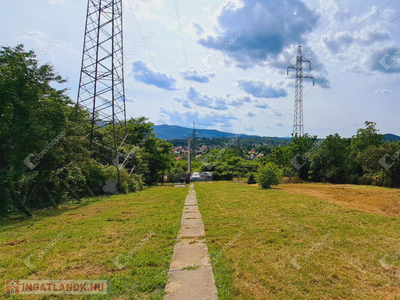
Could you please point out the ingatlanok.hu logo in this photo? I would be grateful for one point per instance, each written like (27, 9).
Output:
(57, 287)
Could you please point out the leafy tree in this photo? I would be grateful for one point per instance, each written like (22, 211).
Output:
(32, 115)
(381, 165)
(269, 175)
(366, 137)
(40, 127)
(328, 163)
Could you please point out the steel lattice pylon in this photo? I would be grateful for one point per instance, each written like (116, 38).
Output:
(298, 122)
(101, 86)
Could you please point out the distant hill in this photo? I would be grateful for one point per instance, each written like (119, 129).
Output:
(172, 132)
(392, 138)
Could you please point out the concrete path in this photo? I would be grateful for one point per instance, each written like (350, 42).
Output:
(190, 274)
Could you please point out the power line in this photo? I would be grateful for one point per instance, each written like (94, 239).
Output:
(181, 33)
(151, 57)
(356, 68)
(355, 27)
(333, 19)
(363, 38)
(182, 36)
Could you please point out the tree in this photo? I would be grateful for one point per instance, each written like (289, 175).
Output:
(283, 156)
(269, 175)
(381, 165)
(329, 163)
(32, 115)
(364, 138)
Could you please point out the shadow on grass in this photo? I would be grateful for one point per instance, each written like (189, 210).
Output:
(12, 221)
(38, 215)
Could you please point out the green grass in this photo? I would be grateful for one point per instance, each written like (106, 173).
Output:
(253, 234)
(144, 225)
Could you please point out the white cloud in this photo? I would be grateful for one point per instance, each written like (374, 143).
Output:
(383, 91)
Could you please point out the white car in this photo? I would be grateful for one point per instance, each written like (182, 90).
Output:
(195, 176)
(206, 174)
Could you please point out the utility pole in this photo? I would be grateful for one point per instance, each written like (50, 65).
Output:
(101, 85)
(189, 157)
(194, 140)
(298, 122)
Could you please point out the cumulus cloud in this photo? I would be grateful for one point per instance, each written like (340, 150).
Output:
(240, 100)
(259, 89)
(206, 120)
(383, 92)
(361, 50)
(193, 74)
(387, 60)
(268, 28)
(143, 73)
(198, 28)
(212, 101)
(260, 104)
(250, 114)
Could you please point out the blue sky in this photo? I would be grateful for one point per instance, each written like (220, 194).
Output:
(223, 64)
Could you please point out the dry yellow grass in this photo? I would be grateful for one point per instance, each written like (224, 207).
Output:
(343, 252)
(366, 198)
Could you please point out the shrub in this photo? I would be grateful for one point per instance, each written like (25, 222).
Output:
(269, 175)
(251, 178)
(227, 176)
(223, 176)
(216, 176)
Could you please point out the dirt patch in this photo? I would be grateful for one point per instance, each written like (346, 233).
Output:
(366, 198)
(13, 243)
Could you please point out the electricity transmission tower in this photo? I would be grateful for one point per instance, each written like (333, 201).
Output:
(101, 86)
(298, 122)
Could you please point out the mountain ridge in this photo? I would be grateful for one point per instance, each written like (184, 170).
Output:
(175, 132)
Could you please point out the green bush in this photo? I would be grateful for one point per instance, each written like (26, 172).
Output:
(269, 175)
(128, 183)
(227, 176)
(223, 176)
(251, 178)
(216, 176)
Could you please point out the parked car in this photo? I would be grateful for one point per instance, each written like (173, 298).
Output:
(195, 176)
(206, 175)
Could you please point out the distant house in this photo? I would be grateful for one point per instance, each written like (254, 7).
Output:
(204, 148)
(252, 152)
(178, 158)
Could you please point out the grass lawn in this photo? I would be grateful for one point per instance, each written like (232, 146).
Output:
(82, 242)
(373, 199)
(256, 238)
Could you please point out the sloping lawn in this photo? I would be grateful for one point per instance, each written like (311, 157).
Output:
(370, 199)
(127, 239)
(271, 244)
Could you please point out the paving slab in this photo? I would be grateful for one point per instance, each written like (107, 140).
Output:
(190, 275)
(192, 223)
